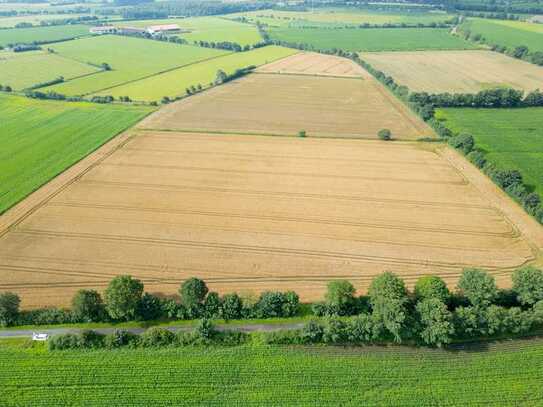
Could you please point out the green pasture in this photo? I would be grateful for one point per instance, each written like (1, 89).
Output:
(508, 33)
(40, 139)
(507, 374)
(174, 83)
(130, 59)
(339, 16)
(35, 19)
(25, 69)
(211, 29)
(512, 138)
(42, 34)
(371, 39)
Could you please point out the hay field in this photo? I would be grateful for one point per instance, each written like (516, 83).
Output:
(456, 71)
(257, 213)
(312, 63)
(25, 69)
(285, 104)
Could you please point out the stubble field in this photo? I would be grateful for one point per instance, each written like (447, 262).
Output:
(456, 71)
(258, 213)
(286, 104)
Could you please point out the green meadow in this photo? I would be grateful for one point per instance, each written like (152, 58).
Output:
(512, 138)
(130, 59)
(509, 33)
(40, 139)
(507, 374)
(174, 83)
(25, 69)
(371, 39)
(210, 29)
(42, 34)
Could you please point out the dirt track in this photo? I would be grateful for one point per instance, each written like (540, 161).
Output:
(260, 213)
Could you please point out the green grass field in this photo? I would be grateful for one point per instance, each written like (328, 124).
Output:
(509, 33)
(24, 69)
(507, 374)
(174, 83)
(512, 138)
(130, 59)
(35, 19)
(54, 33)
(40, 139)
(372, 39)
(209, 29)
(339, 16)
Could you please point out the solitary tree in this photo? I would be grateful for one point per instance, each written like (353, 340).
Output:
(123, 296)
(221, 77)
(9, 308)
(384, 134)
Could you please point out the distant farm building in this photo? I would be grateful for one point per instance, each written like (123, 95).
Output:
(106, 29)
(159, 29)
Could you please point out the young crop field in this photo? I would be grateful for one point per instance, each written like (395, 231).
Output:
(42, 34)
(25, 69)
(286, 104)
(456, 71)
(130, 59)
(40, 139)
(513, 138)
(173, 83)
(255, 213)
(36, 19)
(210, 29)
(509, 33)
(500, 374)
(371, 39)
(312, 63)
(339, 16)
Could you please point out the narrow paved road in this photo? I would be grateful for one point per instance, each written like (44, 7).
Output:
(17, 333)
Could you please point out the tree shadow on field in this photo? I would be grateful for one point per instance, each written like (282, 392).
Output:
(495, 344)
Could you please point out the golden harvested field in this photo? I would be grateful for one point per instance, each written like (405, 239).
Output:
(312, 63)
(456, 71)
(285, 104)
(259, 213)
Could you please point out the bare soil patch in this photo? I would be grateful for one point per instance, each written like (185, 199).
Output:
(260, 213)
(312, 63)
(286, 104)
(456, 71)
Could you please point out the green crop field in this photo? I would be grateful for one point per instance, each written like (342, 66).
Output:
(513, 138)
(129, 58)
(24, 69)
(211, 29)
(174, 83)
(372, 39)
(42, 34)
(35, 19)
(337, 16)
(509, 33)
(40, 139)
(506, 374)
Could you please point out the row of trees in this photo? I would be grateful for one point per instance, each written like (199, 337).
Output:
(5, 88)
(489, 98)
(519, 52)
(430, 315)
(124, 300)
(509, 180)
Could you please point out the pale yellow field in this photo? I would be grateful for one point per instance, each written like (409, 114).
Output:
(258, 213)
(275, 104)
(312, 63)
(456, 71)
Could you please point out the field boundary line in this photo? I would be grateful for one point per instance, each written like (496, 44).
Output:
(312, 74)
(35, 200)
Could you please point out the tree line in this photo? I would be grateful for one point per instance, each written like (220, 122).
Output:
(429, 315)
